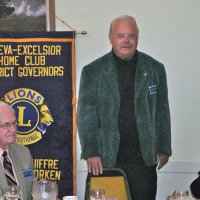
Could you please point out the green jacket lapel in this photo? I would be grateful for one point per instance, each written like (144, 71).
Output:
(111, 75)
(141, 76)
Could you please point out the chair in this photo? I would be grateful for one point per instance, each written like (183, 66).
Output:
(113, 181)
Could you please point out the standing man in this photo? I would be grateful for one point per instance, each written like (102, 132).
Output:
(123, 112)
(18, 157)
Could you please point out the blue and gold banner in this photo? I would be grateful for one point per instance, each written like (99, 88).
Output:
(37, 80)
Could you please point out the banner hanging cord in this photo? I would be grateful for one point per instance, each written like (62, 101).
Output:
(77, 32)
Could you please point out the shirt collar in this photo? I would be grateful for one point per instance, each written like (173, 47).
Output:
(2, 150)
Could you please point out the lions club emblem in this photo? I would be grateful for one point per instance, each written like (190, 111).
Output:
(33, 114)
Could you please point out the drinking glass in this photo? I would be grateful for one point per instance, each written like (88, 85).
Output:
(44, 190)
(182, 195)
(12, 192)
(97, 194)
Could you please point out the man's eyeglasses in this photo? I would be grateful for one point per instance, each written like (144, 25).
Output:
(7, 125)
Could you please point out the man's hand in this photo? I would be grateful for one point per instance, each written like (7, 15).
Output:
(161, 160)
(95, 165)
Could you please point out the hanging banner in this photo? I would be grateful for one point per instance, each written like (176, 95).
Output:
(37, 78)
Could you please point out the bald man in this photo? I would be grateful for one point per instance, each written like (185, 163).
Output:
(123, 111)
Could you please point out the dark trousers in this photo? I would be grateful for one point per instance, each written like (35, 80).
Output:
(142, 181)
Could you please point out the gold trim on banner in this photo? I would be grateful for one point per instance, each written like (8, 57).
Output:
(74, 102)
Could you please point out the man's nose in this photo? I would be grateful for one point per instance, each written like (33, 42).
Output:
(126, 39)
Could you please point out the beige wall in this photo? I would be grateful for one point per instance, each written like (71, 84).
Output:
(169, 31)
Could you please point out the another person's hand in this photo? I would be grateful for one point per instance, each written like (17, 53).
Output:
(161, 160)
(95, 165)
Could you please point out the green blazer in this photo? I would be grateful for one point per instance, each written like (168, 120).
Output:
(98, 108)
(23, 165)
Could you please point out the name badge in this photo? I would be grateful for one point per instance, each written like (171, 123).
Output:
(28, 173)
(152, 89)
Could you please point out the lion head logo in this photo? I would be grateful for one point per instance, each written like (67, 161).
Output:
(45, 118)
